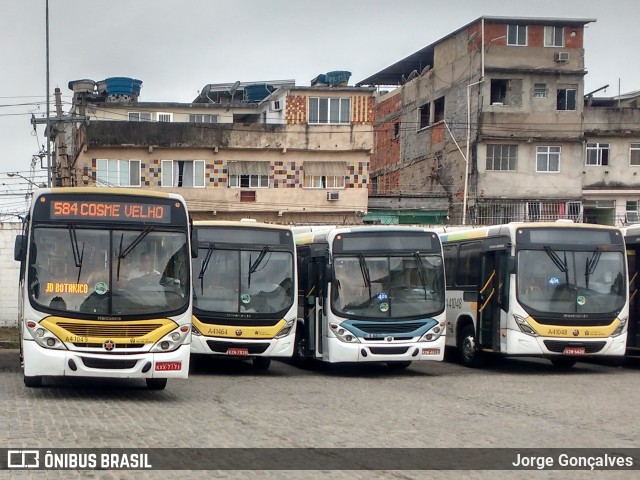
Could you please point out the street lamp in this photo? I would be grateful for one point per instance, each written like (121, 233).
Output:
(16, 174)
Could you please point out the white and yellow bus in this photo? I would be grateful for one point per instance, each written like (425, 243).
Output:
(244, 281)
(370, 294)
(554, 290)
(105, 285)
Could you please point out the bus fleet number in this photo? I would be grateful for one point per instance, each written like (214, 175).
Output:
(454, 303)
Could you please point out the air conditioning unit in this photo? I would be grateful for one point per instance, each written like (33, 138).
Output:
(561, 57)
(333, 196)
(276, 106)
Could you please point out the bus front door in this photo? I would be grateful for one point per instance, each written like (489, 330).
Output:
(633, 335)
(493, 275)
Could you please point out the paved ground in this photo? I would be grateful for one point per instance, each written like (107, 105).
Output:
(513, 403)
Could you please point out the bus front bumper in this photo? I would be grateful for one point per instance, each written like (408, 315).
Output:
(40, 361)
(519, 343)
(239, 348)
(380, 351)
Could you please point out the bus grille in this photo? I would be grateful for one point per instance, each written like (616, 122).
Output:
(222, 347)
(108, 363)
(558, 346)
(118, 345)
(109, 330)
(388, 328)
(388, 350)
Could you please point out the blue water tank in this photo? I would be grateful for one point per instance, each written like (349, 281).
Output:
(120, 86)
(338, 77)
(258, 92)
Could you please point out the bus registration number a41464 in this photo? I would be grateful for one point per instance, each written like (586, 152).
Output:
(165, 366)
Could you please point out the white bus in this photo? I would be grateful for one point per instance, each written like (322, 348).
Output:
(244, 281)
(632, 240)
(554, 290)
(370, 294)
(105, 285)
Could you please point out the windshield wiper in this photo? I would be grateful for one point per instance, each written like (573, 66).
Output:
(590, 265)
(253, 267)
(123, 253)
(562, 265)
(423, 279)
(78, 255)
(365, 272)
(205, 265)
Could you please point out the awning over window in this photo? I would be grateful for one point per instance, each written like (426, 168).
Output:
(337, 169)
(243, 167)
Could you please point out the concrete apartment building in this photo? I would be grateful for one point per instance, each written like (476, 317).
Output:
(272, 150)
(506, 94)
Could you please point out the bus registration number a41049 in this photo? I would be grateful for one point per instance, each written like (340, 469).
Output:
(165, 366)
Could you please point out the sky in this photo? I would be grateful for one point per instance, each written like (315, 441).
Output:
(177, 47)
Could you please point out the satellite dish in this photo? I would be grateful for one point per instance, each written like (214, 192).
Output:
(472, 37)
(234, 88)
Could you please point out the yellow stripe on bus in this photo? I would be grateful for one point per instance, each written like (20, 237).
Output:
(238, 331)
(93, 331)
(569, 331)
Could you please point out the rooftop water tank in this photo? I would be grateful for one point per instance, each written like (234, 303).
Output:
(258, 92)
(338, 77)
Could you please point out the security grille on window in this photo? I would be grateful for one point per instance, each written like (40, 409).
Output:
(554, 36)
(540, 90)
(183, 173)
(597, 154)
(329, 110)
(118, 173)
(634, 154)
(517, 35)
(567, 98)
(246, 174)
(502, 157)
(547, 159)
(203, 118)
(324, 174)
(165, 117)
(139, 116)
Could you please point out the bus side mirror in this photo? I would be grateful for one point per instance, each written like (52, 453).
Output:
(20, 248)
(328, 273)
(194, 242)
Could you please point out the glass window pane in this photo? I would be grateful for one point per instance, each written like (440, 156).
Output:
(112, 176)
(334, 110)
(324, 110)
(198, 173)
(313, 110)
(102, 171)
(345, 110)
(134, 173)
(167, 173)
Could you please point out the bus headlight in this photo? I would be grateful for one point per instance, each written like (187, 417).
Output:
(172, 340)
(524, 326)
(284, 331)
(343, 334)
(44, 337)
(621, 328)
(434, 333)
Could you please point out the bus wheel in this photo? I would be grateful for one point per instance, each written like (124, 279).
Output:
(261, 363)
(469, 354)
(33, 382)
(156, 383)
(399, 365)
(563, 362)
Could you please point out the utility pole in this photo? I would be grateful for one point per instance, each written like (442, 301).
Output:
(61, 146)
(48, 127)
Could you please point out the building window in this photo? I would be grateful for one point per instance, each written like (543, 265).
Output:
(396, 131)
(567, 98)
(554, 36)
(324, 174)
(597, 154)
(118, 173)
(139, 116)
(183, 173)
(517, 35)
(540, 90)
(246, 174)
(202, 118)
(424, 115)
(631, 215)
(548, 159)
(438, 110)
(165, 117)
(634, 154)
(499, 91)
(502, 157)
(329, 110)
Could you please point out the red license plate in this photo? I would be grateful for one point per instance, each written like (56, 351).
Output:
(238, 352)
(430, 351)
(574, 351)
(165, 366)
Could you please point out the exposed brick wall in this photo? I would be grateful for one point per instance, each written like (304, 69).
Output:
(296, 110)
(386, 150)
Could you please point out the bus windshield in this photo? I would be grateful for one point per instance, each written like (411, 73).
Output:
(253, 281)
(108, 272)
(563, 281)
(388, 287)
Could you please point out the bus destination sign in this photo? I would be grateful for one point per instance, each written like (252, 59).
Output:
(112, 211)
